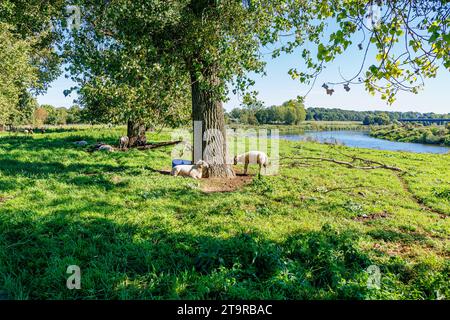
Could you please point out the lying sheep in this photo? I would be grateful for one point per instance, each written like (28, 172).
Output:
(190, 170)
(253, 157)
(106, 147)
(81, 143)
(123, 142)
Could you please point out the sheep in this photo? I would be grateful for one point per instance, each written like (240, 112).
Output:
(81, 143)
(106, 147)
(253, 157)
(123, 142)
(188, 170)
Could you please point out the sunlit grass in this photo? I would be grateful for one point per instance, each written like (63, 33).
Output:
(138, 234)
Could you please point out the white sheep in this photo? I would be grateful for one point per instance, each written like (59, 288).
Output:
(106, 147)
(123, 142)
(253, 157)
(190, 170)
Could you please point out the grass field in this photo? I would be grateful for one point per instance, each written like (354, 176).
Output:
(310, 232)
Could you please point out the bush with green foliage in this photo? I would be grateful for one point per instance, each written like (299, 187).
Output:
(414, 133)
(289, 113)
(17, 74)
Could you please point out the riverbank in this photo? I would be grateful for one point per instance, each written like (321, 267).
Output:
(308, 126)
(361, 139)
(309, 232)
(438, 135)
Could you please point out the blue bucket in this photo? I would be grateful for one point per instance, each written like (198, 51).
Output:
(177, 162)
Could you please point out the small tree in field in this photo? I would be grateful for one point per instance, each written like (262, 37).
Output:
(121, 75)
(40, 116)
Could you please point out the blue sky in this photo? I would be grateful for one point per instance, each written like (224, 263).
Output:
(277, 87)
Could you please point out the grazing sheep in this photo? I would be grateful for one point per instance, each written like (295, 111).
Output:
(26, 131)
(253, 157)
(123, 142)
(190, 170)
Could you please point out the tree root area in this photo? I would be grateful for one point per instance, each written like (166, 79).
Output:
(212, 185)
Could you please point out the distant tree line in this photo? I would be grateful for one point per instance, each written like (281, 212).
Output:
(368, 117)
(50, 115)
(293, 112)
(33, 114)
(290, 112)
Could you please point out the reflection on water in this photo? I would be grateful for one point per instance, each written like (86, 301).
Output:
(361, 139)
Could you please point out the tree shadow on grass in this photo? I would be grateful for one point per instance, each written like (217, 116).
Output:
(151, 261)
(12, 167)
(396, 236)
(10, 185)
(38, 143)
(88, 174)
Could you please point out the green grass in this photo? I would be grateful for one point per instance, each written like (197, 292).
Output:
(137, 234)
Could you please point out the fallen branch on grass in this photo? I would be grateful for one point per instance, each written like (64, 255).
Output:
(370, 164)
(158, 145)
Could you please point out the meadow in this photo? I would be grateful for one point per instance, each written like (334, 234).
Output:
(311, 232)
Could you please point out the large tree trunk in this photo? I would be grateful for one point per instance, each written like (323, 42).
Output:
(208, 114)
(136, 133)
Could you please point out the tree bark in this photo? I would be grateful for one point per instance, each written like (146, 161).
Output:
(207, 110)
(136, 133)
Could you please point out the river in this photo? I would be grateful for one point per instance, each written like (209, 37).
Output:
(362, 139)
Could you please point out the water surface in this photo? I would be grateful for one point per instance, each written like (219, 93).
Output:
(362, 139)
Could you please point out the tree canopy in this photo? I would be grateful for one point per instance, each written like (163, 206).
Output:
(122, 78)
(28, 57)
(16, 73)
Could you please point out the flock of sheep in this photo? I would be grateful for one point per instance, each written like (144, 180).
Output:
(27, 131)
(196, 170)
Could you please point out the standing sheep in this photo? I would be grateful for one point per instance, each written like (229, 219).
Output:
(123, 142)
(253, 157)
